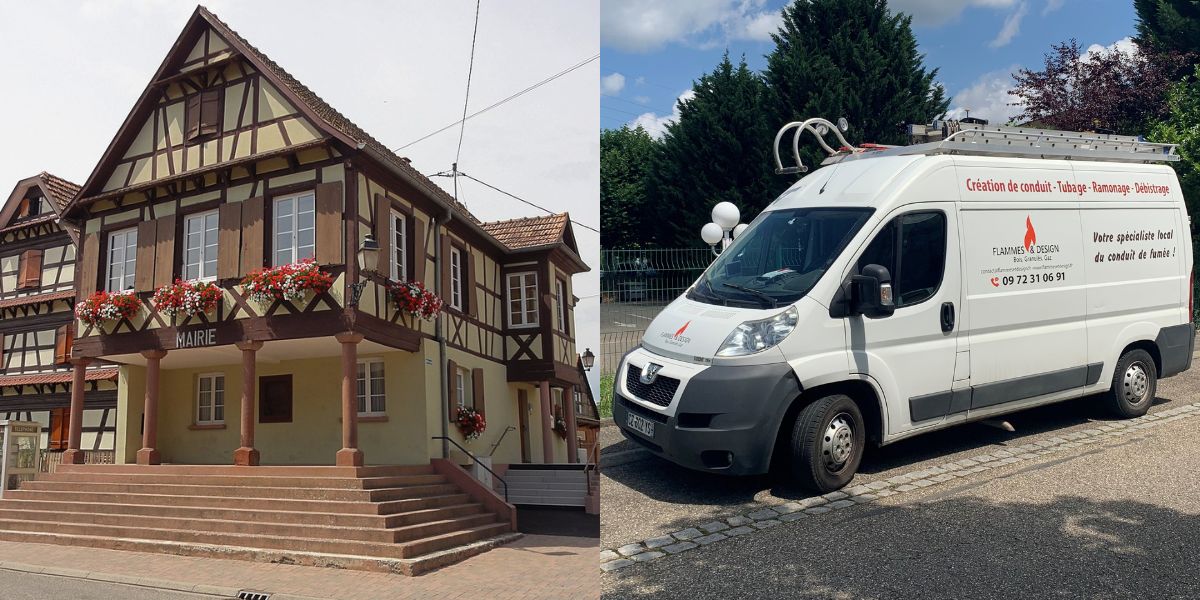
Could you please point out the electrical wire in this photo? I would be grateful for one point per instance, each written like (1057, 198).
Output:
(467, 97)
(510, 195)
(510, 98)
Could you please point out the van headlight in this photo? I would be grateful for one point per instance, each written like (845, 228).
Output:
(755, 336)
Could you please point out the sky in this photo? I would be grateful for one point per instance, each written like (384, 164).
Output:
(652, 50)
(398, 69)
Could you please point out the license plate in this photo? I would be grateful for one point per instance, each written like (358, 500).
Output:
(641, 425)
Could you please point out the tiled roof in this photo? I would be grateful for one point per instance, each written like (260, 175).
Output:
(36, 298)
(26, 222)
(529, 232)
(337, 120)
(61, 190)
(57, 377)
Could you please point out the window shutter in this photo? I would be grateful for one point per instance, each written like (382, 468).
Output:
(383, 234)
(30, 269)
(89, 265)
(164, 251)
(452, 395)
(59, 431)
(210, 112)
(417, 256)
(445, 274)
(23, 208)
(229, 237)
(63, 340)
(470, 290)
(477, 391)
(252, 235)
(147, 236)
(192, 115)
(330, 223)
(22, 269)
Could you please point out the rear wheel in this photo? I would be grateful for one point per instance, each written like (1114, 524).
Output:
(1134, 384)
(827, 443)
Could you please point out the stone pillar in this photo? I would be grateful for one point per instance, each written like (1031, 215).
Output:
(547, 424)
(73, 455)
(148, 455)
(247, 454)
(572, 432)
(349, 455)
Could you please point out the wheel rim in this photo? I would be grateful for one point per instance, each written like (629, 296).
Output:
(837, 444)
(1135, 385)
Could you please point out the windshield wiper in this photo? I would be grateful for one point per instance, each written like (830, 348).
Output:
(771, 303)
(711, 294)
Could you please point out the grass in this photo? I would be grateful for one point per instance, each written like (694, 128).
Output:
(606, 396)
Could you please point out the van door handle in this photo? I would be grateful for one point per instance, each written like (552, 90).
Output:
(947, 316)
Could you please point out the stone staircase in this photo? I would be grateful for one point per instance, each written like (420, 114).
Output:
(547, 484)
(403, 519)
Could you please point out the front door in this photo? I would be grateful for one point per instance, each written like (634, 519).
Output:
(523, 417)
(911, 353)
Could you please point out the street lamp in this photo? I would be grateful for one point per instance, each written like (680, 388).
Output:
(588, 359)
(724, 227)
(367, 256)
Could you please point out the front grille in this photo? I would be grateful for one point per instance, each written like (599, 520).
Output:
(661, 392)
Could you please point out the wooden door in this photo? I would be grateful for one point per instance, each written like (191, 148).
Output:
(275, 399)
(59, 428)
(523, 416)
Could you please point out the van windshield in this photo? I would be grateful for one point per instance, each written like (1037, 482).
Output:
(780, 257)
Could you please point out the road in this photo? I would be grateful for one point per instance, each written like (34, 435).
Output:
(1095, 508)
(30, 586)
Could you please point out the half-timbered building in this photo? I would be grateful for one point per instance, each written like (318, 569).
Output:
(227, 166)
(37, 296)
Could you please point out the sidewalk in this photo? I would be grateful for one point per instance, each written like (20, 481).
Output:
(533, 567)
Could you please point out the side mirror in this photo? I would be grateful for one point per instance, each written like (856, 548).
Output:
(871, 292)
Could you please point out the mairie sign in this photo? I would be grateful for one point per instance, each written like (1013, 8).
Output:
(196, 338)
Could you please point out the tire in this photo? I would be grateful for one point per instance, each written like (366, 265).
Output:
(1134, 384)
(827, 443)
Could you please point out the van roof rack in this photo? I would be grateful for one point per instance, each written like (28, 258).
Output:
(980, 139)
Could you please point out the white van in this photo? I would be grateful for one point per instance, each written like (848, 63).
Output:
(907, 289)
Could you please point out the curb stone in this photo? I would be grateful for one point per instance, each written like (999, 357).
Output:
(768, 516)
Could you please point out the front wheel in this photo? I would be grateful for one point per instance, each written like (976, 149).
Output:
(1134, 384)
(827, 443)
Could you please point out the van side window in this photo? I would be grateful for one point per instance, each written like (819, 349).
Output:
(913, 248)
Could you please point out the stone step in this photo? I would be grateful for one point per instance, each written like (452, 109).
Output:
(324, 532)
(341, 494)
(419, 515)
(263, 504)
(406, 549)
(579, 500)
(546, 485)
(270, 471)
(412, 566)
(248, 480)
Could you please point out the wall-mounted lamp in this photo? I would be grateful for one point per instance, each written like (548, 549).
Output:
(368, 254)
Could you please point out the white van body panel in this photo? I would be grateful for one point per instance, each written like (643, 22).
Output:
(1053, 269)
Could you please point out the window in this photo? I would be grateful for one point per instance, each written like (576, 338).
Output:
(295, 228)
(522, 300)
(200, 246)
(275, 399)
(578, 402)
(560, 288)
(919, 241)
(462, 387)
(203, 115)
(399, 250)
(456, 295)
(122, 259)
(371, 400)
(210, 399)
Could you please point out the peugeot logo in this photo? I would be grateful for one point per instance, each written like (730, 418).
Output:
(650, 373)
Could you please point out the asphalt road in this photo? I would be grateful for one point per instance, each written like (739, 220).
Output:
(15, 585)
(1113, 520)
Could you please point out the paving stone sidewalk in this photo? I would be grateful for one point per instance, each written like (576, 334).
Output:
(518, 571)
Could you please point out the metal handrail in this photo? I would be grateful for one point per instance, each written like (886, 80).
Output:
(497, 444)
(476, 459)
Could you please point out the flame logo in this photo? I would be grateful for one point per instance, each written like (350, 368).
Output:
(682, 329)
(1030, 234)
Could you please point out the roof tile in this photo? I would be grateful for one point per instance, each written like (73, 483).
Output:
(61, 190)
(57, 377)
(528, 232)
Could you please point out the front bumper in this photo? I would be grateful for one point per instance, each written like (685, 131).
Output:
(722, 419)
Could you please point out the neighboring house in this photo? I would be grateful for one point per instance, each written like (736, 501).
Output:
(37, 295)
(587, 419)
(227, 165)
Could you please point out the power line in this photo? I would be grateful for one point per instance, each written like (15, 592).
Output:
(467, 97)
(510, 195)
(509, 98)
